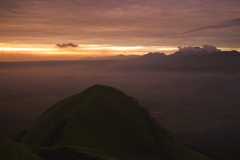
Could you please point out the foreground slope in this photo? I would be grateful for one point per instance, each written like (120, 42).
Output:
(105, 122)
(16, 151)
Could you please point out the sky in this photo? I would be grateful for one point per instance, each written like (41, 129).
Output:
(113, 26)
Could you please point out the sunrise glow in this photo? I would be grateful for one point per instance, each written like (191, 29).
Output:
(87, 49)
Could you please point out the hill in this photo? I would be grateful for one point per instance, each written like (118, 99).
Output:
(103, 123)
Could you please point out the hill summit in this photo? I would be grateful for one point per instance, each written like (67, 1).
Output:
(103, 122)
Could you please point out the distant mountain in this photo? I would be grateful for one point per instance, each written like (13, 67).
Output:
(117, 57)
(153, 56)
(218, 61)
(187, 59)
(103, 123)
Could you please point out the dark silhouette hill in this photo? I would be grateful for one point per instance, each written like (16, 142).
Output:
(103, 123)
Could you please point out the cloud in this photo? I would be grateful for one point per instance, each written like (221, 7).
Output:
(230, 23)
(66, 45)
(117, 23)
(198, 50)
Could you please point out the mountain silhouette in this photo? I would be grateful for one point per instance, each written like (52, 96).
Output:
(103, 123)
(219, 61)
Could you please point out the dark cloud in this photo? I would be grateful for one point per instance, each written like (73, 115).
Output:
(67, 45)
(230, 23)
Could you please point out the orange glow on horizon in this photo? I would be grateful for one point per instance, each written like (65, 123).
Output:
(35, 52)
(83, 49)
(88, 49)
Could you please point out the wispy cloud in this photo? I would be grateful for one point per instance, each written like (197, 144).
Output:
(226, 24)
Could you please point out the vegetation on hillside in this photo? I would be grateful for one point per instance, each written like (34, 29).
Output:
(107, 121)
(16, 151)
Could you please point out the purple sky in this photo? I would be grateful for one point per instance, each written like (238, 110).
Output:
(121, 23)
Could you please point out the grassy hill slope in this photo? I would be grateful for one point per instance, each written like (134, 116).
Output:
(108, 124)
(16, 151)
